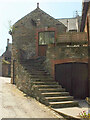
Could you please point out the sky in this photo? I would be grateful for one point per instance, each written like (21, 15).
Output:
(13, 10)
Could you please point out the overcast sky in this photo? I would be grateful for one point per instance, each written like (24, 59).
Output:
(15, 9)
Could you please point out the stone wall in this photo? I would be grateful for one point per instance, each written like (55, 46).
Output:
(22, 78)
(62, 54)
(24, 42)
(6, 71)
(24, 32)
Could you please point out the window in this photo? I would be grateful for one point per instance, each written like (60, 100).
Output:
(46, 38)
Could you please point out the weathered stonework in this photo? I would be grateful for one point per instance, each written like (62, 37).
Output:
(25, 36)
(22, 78)
(24, 31)
(62, 53)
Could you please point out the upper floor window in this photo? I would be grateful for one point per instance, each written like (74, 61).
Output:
(46, 38)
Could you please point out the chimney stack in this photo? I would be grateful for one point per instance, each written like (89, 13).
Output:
(7, 42)
(37, 5)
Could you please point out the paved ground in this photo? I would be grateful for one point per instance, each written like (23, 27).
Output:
(75, 111)
(13, 103)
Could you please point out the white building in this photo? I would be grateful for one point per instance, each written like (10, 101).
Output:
(72, 24)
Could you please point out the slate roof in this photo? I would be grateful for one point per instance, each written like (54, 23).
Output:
(37, 14)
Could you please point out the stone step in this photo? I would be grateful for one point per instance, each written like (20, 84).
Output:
(55, 94)
(45, 83)
(42, 73)
(49, 86)
(52, 90)
(42, 80)
(63, 104)
(33, 71)
(41, 76)
(38, 72)
(60, 98)
(36, 67)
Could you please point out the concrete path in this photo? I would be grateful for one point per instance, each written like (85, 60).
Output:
(73, 112)
(14, 104)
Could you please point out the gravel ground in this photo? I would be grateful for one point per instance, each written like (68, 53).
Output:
(14, 104)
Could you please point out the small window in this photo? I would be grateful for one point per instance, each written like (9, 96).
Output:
(46, 38)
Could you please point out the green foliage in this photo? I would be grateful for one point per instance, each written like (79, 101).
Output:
(85, 115)
(11, 27)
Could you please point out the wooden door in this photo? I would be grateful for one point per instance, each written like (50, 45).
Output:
(45, 38)
(42, 50)
(73, 77)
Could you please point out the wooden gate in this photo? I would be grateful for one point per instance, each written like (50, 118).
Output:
(73, 77)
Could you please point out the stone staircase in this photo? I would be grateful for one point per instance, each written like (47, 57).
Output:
(45, 89)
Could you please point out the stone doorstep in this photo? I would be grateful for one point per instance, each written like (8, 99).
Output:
(71, 112)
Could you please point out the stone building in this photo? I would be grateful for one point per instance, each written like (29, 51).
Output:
(29, 26)
(46, 59)
(6, 60)
(7, 54)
